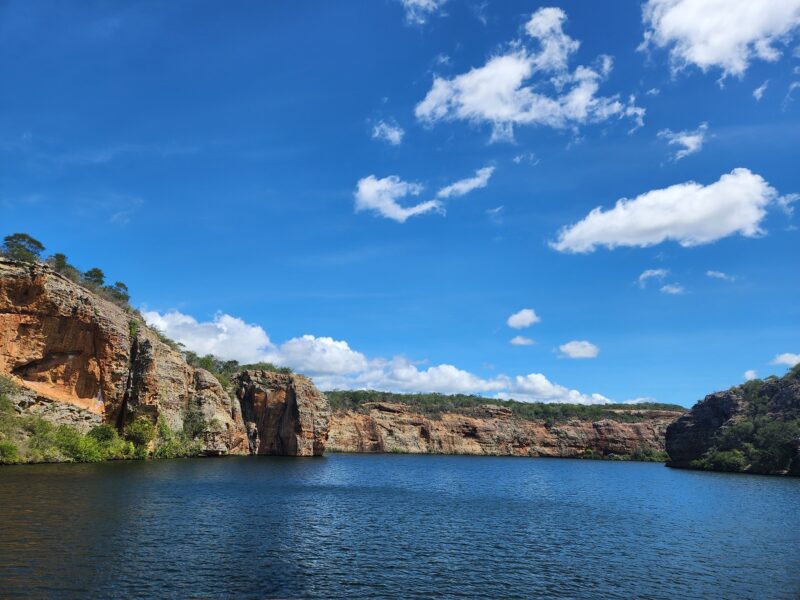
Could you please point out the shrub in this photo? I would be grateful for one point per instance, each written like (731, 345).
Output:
(140, 433)
(78, 447)
(8, 452)
(725, 460)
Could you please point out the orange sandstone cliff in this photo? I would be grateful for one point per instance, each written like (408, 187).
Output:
(82, 360)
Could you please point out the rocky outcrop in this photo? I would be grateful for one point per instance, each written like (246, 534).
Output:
(77, 354)
(754, 427)
(284, 413)
(494, 430)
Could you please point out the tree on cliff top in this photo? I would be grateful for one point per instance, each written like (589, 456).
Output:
(21, 246)
(95, 277)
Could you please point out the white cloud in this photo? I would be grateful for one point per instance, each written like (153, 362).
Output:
(750, 374)
(321, 355)
(382, 195)
(724, 34)
(579, 349)
(537, 388)
(653, 92)
(419, 11)
(225, 336)
(504, 92)
(787, 358)
(688, 213)
(333, 364)
(673, 289)
(758, 93)
(388, 132)
(464, 186)
(521, 340)
(651, 274)
(689, 141)
(720, 275)
(523, 318)
(528, 157)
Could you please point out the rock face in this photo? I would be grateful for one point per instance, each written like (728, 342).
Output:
(493, 430)
(753, 427)
(284, 413)
(84, 360)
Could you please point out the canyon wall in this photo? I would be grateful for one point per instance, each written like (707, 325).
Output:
(81, 360)
(494, 430)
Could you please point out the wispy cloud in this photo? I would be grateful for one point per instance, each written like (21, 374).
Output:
(391, 133)
(720, 275)
(689, 141)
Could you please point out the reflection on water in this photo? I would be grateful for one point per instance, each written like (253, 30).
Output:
(395, 526)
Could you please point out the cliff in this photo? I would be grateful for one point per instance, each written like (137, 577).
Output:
(284, 413)
(81, 360)
(496, 430)
(752, 428)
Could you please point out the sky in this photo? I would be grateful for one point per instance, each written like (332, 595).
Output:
(558, 201)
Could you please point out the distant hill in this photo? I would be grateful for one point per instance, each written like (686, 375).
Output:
(750, 428)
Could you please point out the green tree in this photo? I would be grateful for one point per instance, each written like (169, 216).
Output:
(21, 246)
(95, 277)
(59, 262)
(141, 432)
(118, 292)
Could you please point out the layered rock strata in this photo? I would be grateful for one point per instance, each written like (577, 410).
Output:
(493, 430)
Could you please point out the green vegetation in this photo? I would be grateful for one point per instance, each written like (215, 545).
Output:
(24, 248)
(21, 247)
(224, 370)
(434, 405)
(32, 439)
(765, 440)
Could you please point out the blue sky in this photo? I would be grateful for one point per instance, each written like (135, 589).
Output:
(369, 191)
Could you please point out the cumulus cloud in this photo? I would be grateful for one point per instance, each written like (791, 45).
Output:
(720, 275)
(758, 93)
(224, 336)
(388, 132)
(521, 340)
(523, 318)
(651, 274)
(750, 374)
(465, 186)
(688, 142)
(419, 11)
(787, 358)
(723, 34)
(381, 196)
(529, 86)
(537, 388)
(333, 364)
(688, 213)
(579, 349)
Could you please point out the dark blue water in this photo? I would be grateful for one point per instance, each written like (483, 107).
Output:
(395, 526)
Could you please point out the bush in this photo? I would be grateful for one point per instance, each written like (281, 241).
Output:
(76, 446)
(8, 452)
(140, 433)
(725, 460)
(170, 444)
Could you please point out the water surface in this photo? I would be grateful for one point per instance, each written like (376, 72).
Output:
(394, 526)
